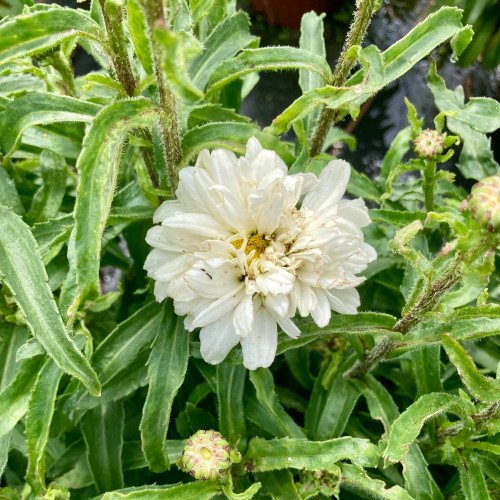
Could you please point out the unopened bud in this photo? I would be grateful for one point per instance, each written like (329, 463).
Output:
(484, 203)
(207, 455)
(429, 144)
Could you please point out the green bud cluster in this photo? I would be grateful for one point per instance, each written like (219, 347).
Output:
(484, 203)
(429, 144)
(207, 455)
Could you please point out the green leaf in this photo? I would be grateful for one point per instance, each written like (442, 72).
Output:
(200, 9)
(268, 59)
(330, 408)
(15, 397)
(178, 48)
(482, 388)
(357, 478)
(460, 40)
(230, 388)
(38, 108)
(394, 156)
(38, 419)
(379, 69)
(213, 113)
(23, 272)
(137, 27)
(102, 429)
(8, 193)
(406, 428)
(426, 366)
(291, 453)
(311, 39)
(360, 185)
(263, 382)
(471, 477)
(226, 40)
(197, 490)
(46, 202)
(43, 27)
(114, 354)
(396, 217)
(278, 484)
(166, 369)
(229, 135)
(98, 166)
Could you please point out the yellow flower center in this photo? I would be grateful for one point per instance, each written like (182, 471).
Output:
(206, 453)
(254, 242)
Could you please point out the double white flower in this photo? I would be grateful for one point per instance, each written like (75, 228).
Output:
(239, 253)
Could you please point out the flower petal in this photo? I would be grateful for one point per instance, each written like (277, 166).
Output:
(217, 339)
(259, 346)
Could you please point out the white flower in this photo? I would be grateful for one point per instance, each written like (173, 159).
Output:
(240, 254)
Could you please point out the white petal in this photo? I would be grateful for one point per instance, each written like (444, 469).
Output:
(275, 281)
(259, 347)
(345, 301)
(289, 327)
(253, 149)
(322, 313)
(166, 209)
(219, 307)
(217, 339)
(197, 224)
(270, 215)
(243, 317)
(332, 184)
(305, 298)
(278, 304)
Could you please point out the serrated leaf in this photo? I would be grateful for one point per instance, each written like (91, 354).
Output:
(406, 428)
(263, 383)
(471, 477)
(137, 27)
(38, 420)
(396, 61)
(102, 429)
(292, 453)
(197, 490)
(482, 388)
(98, 166)
(226, 40)
(396, 217)
(356, 477)
(230, 389)
(43, 27)
(8, 193)
(23, 272)
(38, 108)
(166, 369)
(268, 59)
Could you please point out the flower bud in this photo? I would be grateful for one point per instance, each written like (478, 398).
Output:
(484, 203)
(207, 455)
(429, 144)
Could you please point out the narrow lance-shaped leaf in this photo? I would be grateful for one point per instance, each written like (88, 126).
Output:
(197, 490)
(167, 367)
(43, 27)
(471, 477)
(23, 272)
(98, 166)
(262, 380)
(38, 108)
(38, 419)
(230, 388)
(268, 59)
(137, 27)
(227, 39)
(294, 453)
(102, 430)
(482, 388)
(407, 426)
(396, 61)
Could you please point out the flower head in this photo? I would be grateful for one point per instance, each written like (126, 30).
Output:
(207, 455)
(245, 246)
(484, 203)
(429, 144)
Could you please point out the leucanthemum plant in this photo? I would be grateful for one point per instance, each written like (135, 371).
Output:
(245, 246)
(192, 306)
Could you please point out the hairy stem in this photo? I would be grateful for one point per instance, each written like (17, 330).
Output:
(362, 18)
(155, 14)
(429, 181)
(428, 300)
(113, 19)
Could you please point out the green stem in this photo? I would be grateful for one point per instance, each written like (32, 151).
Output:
(113, 19)
(362, 18)
(429, 180)
(428, 300)
(155, 14)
